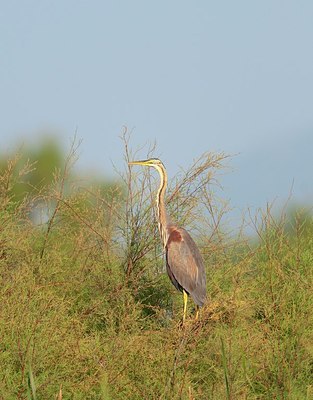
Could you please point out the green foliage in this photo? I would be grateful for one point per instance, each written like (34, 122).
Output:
(87, 312)
(32, 169)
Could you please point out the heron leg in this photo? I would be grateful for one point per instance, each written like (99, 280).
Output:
(197, 312)
(185, 305)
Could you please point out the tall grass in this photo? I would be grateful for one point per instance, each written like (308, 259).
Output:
(87, 311)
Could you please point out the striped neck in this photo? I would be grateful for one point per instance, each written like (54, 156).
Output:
(162, 214)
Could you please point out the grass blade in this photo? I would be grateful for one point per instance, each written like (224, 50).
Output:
(225, 370)
(31, 387)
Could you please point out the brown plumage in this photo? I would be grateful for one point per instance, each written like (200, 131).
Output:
(184, 263)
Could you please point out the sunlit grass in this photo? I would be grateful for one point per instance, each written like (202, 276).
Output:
(87, 312)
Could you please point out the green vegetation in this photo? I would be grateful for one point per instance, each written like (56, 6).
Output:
(87, 312)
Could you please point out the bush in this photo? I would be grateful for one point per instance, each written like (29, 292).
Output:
(88, 313)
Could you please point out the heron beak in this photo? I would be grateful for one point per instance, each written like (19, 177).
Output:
(143, 162)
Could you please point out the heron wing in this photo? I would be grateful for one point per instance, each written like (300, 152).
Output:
(185, 265)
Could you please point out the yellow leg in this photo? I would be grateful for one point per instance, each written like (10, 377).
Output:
(197, 312)
(185, 305)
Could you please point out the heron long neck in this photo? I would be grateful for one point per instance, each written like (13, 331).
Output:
(162, 214)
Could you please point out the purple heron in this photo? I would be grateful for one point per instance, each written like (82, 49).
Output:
(184, 263)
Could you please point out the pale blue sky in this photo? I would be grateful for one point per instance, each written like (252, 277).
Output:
(194, 76)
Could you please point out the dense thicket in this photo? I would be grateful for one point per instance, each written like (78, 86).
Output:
(87, 312)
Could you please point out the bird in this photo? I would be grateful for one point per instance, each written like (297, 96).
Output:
(184, 263)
